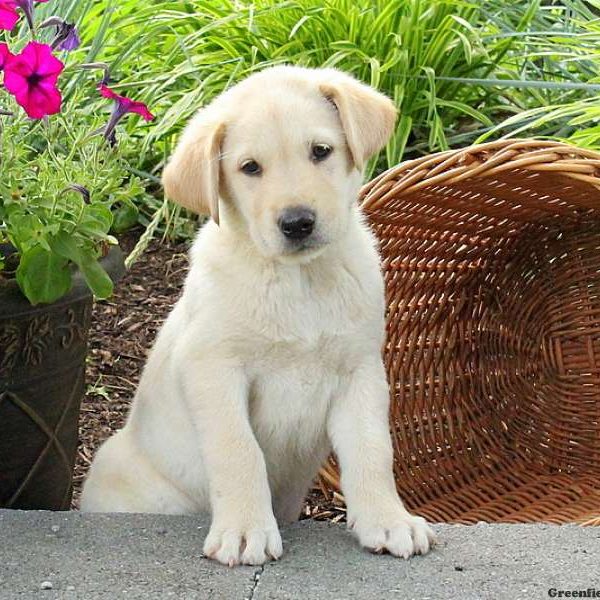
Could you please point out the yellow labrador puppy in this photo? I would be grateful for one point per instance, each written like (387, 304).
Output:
(272, 356)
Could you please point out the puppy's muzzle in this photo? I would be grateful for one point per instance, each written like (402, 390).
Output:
(297, 223)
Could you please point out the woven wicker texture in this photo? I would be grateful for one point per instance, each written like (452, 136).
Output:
(492, 264)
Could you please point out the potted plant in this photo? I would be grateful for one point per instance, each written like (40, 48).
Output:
(62, 185)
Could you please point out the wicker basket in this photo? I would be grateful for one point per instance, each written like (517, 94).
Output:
(492, 264)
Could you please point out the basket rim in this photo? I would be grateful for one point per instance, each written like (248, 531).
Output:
(483, 160)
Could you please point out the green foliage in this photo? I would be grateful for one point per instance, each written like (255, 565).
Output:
(459, 71)
(402, 47)
(437, 58)
(63, 189)
(51, 224)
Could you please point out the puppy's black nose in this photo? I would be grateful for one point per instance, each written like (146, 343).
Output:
(297, 223)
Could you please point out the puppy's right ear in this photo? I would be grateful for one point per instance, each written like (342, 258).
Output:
(191, 178)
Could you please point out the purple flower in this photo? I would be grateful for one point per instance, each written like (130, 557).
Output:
(66, 37)
(27, 7)
(71, 40)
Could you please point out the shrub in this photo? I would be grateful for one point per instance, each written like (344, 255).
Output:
(63, 182)
(457, 69)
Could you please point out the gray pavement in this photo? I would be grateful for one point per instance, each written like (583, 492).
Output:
(81, 556)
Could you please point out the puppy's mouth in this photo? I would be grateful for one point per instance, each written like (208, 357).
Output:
(305, 246)
(302, 252)
(292, 251)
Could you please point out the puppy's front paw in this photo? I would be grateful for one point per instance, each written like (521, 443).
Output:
(401, 534)
(240, 544)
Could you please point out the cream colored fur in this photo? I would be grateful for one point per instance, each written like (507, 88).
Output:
(271, 357)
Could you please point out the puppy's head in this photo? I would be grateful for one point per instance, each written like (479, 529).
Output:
(284, 150)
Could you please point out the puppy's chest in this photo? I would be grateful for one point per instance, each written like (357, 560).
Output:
(304, 337)
(308, 311)
(291, 393)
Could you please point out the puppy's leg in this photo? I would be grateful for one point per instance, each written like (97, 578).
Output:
(122, 480)
(243, 528)
(359, 430)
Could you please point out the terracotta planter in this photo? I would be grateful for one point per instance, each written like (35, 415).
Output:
(42, 372)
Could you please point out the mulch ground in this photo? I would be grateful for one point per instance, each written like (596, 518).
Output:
(122, 334)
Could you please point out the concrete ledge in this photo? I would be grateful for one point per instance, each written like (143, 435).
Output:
(147, 556)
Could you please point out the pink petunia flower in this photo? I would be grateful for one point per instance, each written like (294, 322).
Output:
(8, 14)
(123, 105)
(5, 54)
(27, 7)
(31, 78)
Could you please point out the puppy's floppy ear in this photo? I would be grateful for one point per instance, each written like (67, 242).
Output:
(191, 178)
(367, 116)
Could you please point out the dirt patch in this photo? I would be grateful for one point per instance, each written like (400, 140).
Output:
(123, 331)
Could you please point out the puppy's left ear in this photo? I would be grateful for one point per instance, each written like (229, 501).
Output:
(367, 116)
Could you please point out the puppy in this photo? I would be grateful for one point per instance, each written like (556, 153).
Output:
(272, 356)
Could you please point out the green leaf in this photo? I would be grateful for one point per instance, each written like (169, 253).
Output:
(95, 276)
(398, 143)
(66, 246)
(43, 276)
(297, 26)
(96, 221)
(468, 110)
(125, 217)
(516, 83)
(29, 230)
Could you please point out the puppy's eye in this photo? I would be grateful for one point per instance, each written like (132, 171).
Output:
(320, 152)
(251, 167)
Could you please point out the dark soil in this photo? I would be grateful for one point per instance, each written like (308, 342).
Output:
(123, 331)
